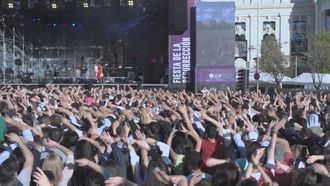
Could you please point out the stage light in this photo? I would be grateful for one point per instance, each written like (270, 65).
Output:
(85, 5)
(92, 3)
(10, 5)
(34, 20)
(130, 2)
(54, 5)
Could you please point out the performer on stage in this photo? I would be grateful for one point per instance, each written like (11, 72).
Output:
(99, 72)
(78, 72)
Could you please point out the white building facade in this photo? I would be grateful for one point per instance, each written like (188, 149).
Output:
(290, 22)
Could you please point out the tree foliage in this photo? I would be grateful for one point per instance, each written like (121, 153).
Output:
(272, 59)
(319, 57)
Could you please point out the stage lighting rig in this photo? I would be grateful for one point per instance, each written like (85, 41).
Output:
(92, 3)
(130, 3)
(122, 3)
(63, 4)
(10, 5)
(54, 5)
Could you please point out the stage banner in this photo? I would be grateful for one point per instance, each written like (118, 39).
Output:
(215, 45)
(180, 55)
(218, 77)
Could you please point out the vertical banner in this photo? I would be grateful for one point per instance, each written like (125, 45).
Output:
(180, 55)
(215, 45)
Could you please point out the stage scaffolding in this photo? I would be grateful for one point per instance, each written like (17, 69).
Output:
(15, 53)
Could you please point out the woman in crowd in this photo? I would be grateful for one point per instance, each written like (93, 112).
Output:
(108, 136)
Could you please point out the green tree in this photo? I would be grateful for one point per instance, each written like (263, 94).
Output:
(319, 57)
(273, 60)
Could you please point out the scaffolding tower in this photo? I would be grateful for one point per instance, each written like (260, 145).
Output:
(15, 53)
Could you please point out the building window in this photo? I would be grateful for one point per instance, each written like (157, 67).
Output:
(304, 17)
(299, 25)
(240, 30)
(327, 20)
(240, 37)
(299, 44)
(240, 40)
(269, 26)
(241, 49)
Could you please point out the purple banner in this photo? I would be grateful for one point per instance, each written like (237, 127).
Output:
(180, 55)
(219, 77)
(212, 74)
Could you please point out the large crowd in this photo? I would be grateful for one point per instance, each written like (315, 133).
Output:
(58, 136)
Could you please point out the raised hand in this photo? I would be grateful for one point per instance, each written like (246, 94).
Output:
(203, 114)
(165, 107)
(115, 181)
(115, 125)
(14, 138)
(174, 130)
(195, 179)
(40, 178)
(291, 104)
(272, 124)
(107, 138)
(184, 130)
(126, 130)
(257, 156)
(312, 159)
(37, 131)
(182, 108)
(140, 135)
(141, 144)
(280, 124)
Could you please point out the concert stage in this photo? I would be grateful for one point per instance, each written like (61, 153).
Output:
(189, 45)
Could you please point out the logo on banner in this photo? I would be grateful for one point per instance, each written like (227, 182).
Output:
(215, 76)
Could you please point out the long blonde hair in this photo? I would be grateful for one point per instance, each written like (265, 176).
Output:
(54, 164)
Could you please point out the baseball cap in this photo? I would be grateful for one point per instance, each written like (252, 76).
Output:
(253, 136)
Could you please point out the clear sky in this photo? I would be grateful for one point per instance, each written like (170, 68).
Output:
(218, 11)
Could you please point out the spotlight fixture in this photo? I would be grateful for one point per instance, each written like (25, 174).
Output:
(130, 2)
(92, 4)
(85, 4)
(54, 5)
(10, 5)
